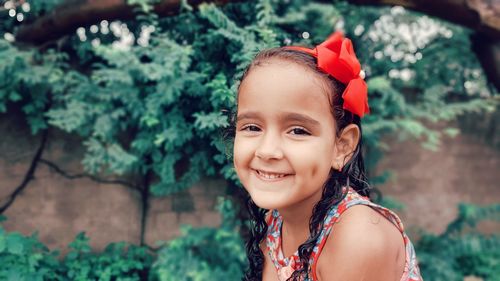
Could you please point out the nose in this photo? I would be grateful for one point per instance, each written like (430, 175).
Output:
(269, 147)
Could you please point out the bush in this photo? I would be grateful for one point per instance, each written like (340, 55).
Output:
(199, 254)
(26, 258)
(462, 251)
(205, 254)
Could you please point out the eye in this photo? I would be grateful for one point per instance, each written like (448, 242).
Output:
(250, 128)
(299, 131)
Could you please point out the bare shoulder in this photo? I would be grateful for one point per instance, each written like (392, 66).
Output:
(363, 245)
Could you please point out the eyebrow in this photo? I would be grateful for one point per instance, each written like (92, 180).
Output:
(247, 115)
(287, 116)
(302, 118)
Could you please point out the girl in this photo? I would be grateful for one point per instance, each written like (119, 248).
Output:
(297, 152)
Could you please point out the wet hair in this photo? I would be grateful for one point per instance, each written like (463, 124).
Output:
(352, 173)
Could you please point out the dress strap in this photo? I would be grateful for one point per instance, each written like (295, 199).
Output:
(285, 266)
(273, 239)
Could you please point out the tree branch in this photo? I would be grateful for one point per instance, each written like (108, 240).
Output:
(65, 174)
(65, 19)
(482, 16)
(30, 174)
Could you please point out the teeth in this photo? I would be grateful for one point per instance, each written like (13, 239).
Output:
(270, 176)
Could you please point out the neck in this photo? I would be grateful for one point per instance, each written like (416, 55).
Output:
(295, 228)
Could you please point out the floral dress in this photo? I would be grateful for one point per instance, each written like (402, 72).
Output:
(287, 265)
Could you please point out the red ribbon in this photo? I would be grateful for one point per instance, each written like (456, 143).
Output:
(336, 57)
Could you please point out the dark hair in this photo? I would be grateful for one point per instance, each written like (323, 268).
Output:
(352, 173)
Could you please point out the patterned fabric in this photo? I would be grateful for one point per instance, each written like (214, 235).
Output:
(287, 265)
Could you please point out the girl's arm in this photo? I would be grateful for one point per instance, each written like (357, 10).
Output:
(363, 245)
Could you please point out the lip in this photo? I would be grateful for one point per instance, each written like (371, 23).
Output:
(257, 174)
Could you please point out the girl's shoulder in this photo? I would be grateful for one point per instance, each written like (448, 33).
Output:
(362, 235)
(359, 240)
(362, 238)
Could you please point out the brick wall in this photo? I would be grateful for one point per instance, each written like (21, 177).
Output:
(59, 208)
(429, 183)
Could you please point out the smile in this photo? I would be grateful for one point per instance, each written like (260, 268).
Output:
(270, 176)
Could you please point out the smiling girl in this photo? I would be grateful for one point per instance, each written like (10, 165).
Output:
(298, 153)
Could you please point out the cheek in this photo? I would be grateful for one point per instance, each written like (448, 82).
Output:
(242, 152)
(314, 159)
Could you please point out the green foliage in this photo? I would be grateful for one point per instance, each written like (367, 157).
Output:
(29, 85)
(25, 258)
(218, 254)
(199, 254)
(461, 250)
(156, 104)
(204, 253)
(118, 261)
(417, 74)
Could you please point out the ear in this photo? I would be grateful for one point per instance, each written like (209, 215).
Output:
(345, 145)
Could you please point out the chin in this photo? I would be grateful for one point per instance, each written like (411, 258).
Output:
(266, 201)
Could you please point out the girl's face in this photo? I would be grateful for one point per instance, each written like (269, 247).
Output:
(285, 135)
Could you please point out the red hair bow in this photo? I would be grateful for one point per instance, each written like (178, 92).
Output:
(336, 57)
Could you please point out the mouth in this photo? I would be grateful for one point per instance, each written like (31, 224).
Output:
(270, 176)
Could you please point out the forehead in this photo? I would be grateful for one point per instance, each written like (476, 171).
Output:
(283, 86)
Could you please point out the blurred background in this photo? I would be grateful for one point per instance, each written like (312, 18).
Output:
(115, 163)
